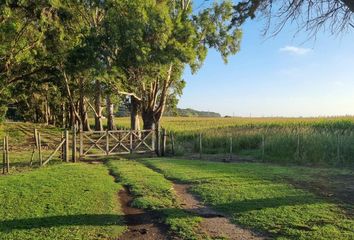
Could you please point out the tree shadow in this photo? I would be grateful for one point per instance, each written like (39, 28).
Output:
(259, 204)
(56, 221)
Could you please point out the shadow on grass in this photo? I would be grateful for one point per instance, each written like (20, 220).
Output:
(258, 204)
(57, 221)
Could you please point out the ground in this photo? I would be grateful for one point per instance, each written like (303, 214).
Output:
(179, 199)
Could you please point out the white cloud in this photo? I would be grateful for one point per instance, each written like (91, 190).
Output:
(295, 50)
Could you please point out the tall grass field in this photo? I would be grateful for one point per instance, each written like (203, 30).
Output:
(305, 141)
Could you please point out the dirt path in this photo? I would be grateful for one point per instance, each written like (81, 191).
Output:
(141, 225)
(214, 224)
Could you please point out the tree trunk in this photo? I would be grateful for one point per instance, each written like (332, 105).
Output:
(110, 113)
(148, 119)
(134, 114)
(82, 109)
(46, 111)
(71, 123)
(98, 108)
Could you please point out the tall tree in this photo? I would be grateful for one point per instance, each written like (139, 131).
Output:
(153, 41)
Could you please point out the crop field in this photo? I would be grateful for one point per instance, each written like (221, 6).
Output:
(305, 141)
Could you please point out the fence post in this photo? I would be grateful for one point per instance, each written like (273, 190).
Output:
(74, 145)
(39, 148)
(172, 143)
(263, 147)
(230, 147)
(36, 137)
(35, 146)
(164, 135)
(107, 142)
(7, 155)
(4, 156)
(158, 139)
(81, 136)
(66, 145)
(62, 147)
(298, 147)
(153, 139)
(338, 148)
(200, 145)
(131, 141)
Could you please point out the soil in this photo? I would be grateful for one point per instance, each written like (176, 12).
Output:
(214, 224)
(142, 225)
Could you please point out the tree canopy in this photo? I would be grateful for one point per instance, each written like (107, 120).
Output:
(61, 60)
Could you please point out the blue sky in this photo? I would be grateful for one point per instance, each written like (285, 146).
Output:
(285, 75)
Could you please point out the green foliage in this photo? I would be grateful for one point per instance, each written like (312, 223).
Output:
(60, 202)
(52, 59)
(259, 196)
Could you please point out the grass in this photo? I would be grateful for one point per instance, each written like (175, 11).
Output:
(21, 134)
(303, 141)
(152, 191)
(260, 197)
(71, 201)
(21, 143)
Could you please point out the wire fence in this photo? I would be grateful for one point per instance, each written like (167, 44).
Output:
(286, 147)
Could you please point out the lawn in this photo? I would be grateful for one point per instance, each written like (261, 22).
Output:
(68, 201)
(260, 197)
(152, 191)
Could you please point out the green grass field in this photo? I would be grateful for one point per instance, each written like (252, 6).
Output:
(260, 197)
(60, 202)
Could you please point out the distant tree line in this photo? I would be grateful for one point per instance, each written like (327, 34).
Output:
(173, 112)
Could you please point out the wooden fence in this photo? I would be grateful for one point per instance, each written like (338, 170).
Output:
(116, 142)
(6, 157)
(90, 144)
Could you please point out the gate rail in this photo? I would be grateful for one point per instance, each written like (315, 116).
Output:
(115, 142)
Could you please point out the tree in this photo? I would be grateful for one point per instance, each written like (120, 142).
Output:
(153, 41)
(312, 16)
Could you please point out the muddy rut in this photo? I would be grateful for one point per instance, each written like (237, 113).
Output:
(214, 224)
(142, 225)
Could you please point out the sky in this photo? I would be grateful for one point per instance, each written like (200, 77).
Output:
(286, 75)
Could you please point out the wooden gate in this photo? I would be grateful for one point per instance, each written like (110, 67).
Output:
(115, 142)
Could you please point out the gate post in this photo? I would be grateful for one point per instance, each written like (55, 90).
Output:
(164, 138)
(131, 141)
(158, 139)
(40, 148)
(153, 140)
(81, 143)
(107, 142)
